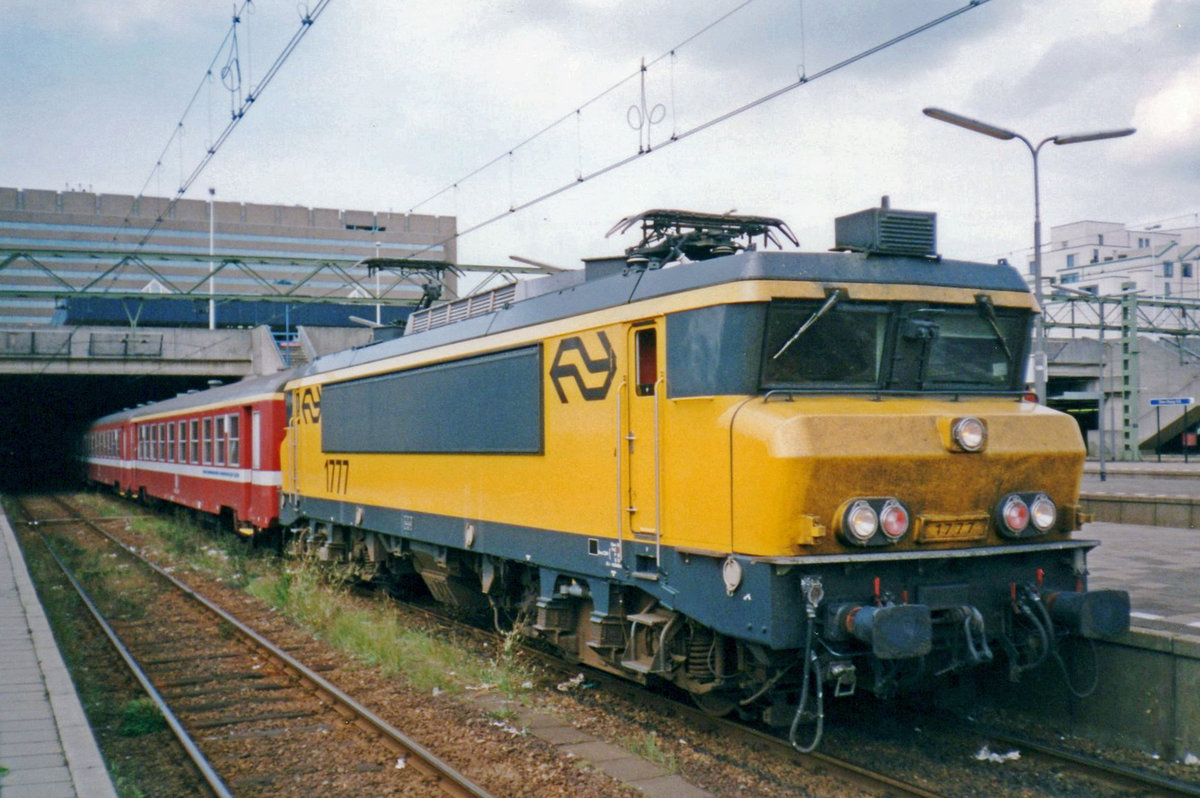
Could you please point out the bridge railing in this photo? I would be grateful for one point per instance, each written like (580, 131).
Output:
(125, 344)
(40, 343)
(35, 343)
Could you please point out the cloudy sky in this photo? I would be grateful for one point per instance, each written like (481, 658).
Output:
(386, 106)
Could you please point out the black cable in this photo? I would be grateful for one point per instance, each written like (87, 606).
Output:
(802, 81)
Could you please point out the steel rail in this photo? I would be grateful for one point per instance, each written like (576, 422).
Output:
(207, 772)
(1121, 775)
(449, 780)
(862, 777)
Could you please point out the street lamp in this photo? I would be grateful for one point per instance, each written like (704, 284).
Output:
(212, 266)
(1004, 134)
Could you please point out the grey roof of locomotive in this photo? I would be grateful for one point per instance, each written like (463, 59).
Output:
(633, 285)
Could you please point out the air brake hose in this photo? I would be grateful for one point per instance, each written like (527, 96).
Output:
(809, 661)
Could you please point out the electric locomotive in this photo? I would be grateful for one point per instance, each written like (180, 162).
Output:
(752, 474)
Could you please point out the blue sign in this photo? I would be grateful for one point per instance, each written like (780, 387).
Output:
(1172, 400)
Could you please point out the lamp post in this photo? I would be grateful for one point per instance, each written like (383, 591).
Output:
(212, 265)
(1004, 134)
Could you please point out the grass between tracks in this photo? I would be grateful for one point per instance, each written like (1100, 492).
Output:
(317, 597)
(373, 633)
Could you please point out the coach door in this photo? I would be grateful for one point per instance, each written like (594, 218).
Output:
(255, 441)
(644, 502)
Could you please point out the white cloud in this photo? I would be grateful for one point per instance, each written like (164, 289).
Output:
(1168, 116)
(383, 104)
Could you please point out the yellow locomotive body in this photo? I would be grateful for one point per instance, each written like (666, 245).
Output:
(744, 475)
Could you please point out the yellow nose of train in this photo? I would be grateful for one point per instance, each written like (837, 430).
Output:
(827, 474)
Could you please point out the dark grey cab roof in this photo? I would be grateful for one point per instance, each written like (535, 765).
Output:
(623, 287)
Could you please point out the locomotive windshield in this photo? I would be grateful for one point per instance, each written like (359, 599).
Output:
(843, 346)
(896, 346)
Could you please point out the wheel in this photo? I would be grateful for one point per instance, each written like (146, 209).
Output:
(715, 703)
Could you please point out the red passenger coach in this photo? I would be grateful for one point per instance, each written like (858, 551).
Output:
(216, 451)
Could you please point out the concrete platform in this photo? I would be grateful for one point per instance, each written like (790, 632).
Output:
(45, 740)
(1146, 493)
(1157, 565)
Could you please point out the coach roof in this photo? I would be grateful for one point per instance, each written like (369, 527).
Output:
(233, 393)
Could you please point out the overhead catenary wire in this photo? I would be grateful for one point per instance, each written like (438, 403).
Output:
(237, 113)
(802, 80)
(156, 172)
(578, 110)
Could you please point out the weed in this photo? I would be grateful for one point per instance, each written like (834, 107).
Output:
(648, 747)
(126, 784)
(373, 634)
(140, 716)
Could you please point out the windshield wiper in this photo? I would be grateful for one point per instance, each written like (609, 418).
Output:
(834, 297)
(988, 311)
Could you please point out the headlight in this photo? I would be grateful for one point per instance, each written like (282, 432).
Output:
(894, 520)
(1043, 512)
(861, 521)
(873, 521)
(1015, 514)
(969, 433)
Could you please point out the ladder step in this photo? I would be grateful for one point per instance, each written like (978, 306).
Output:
(648, 618)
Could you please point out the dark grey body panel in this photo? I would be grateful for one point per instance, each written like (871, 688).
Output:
(488, 404)
(714, 350)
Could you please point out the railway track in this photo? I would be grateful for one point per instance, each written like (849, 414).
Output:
(250, 715)
(1108, 778)
(853, 774)
(1095, 770)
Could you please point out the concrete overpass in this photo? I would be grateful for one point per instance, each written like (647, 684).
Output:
(166, 352)
(55, 380)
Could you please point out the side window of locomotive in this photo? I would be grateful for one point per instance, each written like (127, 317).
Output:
(974, 351)
(821, 344)
(646, 344)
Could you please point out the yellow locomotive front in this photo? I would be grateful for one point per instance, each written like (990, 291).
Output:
(896, 509)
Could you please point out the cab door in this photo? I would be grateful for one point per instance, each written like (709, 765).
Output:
(643, 444)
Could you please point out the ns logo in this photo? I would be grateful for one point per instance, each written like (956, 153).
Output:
(309, 400)
(590, 372)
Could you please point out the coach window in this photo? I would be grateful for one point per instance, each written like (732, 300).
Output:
(220, 456)
(208, 440)
(233, 440)
(170, 440)
(647, 361)
(183, 446)
(194, 440)
(156, 441)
